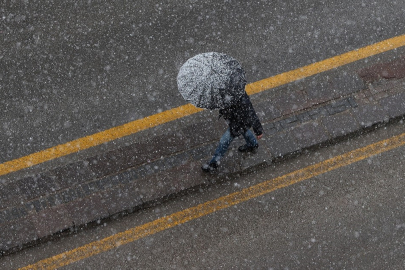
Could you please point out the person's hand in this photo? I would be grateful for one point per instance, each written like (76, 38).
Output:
(259, 136)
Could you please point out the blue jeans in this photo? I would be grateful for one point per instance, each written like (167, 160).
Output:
(226, 140)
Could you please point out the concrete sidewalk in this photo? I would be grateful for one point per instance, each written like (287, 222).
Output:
(310, 113)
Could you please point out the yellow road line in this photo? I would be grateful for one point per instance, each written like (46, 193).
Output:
(209, 207)
(97, 139)
(326, 65)
(182, 111)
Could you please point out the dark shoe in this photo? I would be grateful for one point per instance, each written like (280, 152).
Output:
(209, 167)
(246, 148)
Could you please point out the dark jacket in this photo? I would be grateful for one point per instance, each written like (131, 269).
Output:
(241, 117)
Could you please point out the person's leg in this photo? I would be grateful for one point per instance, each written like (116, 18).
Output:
(250, 138)
(251, 142)
(223, 146)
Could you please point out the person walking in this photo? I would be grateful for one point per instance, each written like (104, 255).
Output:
(240, 117)
(217, 81)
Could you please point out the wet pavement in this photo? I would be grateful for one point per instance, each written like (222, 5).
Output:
(72, 69)
(165, 161)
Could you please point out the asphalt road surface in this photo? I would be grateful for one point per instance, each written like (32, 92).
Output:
(349, 218)
(73, 68)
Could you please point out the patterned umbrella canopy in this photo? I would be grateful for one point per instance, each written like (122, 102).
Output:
(211, 80)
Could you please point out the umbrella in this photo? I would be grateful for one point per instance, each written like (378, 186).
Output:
(211, 80)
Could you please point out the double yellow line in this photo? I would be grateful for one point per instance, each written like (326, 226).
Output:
(182, 111)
